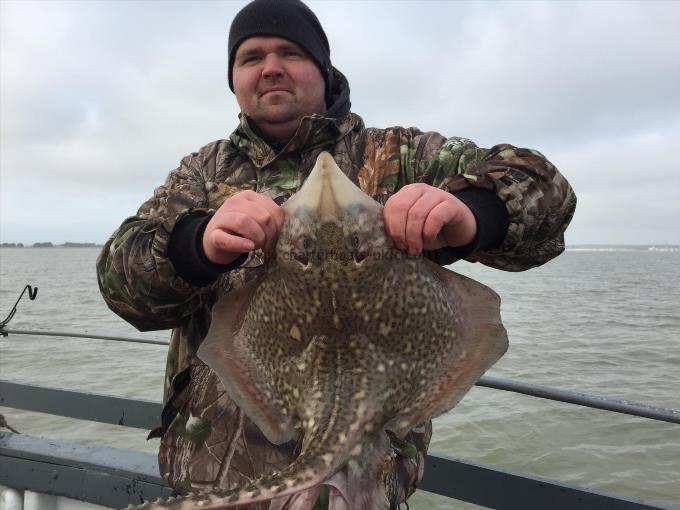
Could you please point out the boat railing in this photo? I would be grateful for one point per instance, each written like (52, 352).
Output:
(115, 477)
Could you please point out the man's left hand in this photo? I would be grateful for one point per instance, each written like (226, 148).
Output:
(421, 217)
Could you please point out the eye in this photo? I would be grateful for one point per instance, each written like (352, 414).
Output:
(248, 59)
(292, 54)
(302, 250)
(355, 241)
(360, 249)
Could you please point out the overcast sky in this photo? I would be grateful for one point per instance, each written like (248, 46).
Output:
(100, 100)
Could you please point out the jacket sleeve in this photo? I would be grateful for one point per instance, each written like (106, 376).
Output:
(136, 278)
(538, 199)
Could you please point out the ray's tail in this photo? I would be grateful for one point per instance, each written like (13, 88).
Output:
(336, 427)
(310, 469)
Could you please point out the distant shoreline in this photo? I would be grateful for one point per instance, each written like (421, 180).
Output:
(623, 247)
(51, 245)
(570, 247)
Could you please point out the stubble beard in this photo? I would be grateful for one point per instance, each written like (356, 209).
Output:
(282, 112)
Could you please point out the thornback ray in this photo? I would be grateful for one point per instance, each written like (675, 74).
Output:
(342, 338)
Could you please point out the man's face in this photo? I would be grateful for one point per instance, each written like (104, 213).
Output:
(276, 84)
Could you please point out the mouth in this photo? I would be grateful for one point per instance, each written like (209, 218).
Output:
(274, 90)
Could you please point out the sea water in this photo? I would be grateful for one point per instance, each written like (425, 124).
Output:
(602, 321)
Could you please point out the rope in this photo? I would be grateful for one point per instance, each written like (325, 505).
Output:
(72, 334)
(5, 425)
(535, 390)
(32, 294)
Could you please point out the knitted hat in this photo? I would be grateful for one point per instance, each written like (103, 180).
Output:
(290, 19)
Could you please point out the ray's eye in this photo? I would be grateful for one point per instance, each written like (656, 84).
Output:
(355, 241)
(303, 249)
(359, 248)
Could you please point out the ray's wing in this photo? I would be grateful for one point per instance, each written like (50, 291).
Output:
(226, 352)
(480, 341)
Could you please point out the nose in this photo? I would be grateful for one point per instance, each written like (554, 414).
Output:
(273, 66)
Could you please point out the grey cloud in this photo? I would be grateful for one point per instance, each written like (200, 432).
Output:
(527, 71)
(102, 99)
(115, 99)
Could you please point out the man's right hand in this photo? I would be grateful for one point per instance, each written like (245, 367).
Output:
(244, 222)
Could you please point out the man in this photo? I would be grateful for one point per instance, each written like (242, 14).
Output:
(203, 232)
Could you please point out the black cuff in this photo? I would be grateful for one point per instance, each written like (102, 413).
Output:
(185, 251)
(492, 225)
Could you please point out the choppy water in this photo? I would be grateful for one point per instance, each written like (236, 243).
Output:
(605, 322)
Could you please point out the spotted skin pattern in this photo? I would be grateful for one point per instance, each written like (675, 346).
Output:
(343, 337)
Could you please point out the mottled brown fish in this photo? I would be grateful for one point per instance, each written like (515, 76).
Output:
(342, 338)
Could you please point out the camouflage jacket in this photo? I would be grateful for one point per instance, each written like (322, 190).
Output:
(206, 440)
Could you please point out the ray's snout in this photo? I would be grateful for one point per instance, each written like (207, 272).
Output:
(327, 191)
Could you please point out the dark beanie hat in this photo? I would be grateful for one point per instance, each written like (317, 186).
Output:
(290, 19)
